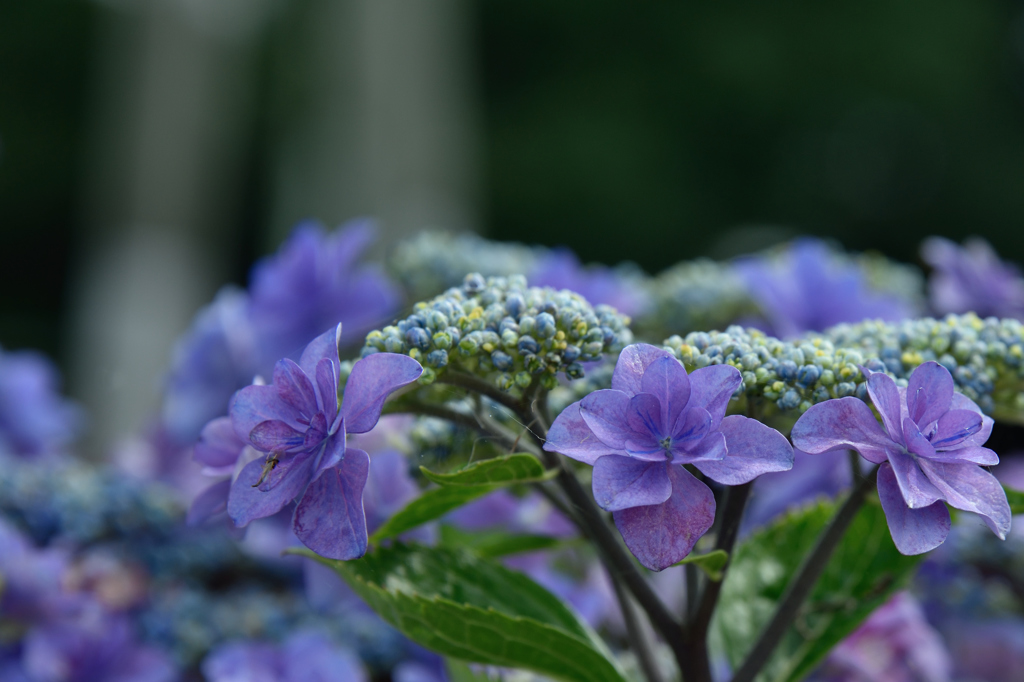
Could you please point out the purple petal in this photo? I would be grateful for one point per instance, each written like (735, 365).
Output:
(962, 402)
(323, 347)
(663, 534)
(373, 379)
(645, 415)
(208, 503)
(254, 404)
(624, 482)
(691, 426)
(571, 436)
(218, 444)
(754, 449)
(275, 436)
(327, 386)
(246, 503)
(915, 531)
(334, 451)
(295, 388)
(646, 447)
(711, 449)
(971, 488)
(712, 387)
(918, 491)
(632, 363)
(929, 393)
(955, 427)
(329, 519)
(886, 398)
(915, 440)
(973, 454)
(666, 380)
(842, 424)
(606, 413)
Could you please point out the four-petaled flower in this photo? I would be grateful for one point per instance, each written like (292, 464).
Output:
(637, 435)
(929, 452)
(297, 421)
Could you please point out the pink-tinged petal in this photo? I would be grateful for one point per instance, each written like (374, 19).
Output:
(606, 413)
(915, 531)
(915, 440)
(208, 503)
(712, 387)
(666, 380)
(623, 482)
(973, 454)
(842, 424)
(330, 519)
(632, 363)
(327, 387)
(956, 428)
(971, 488)
(886, 399)
(295, 388)
(373, 379)
(663, 534)
(571, 436)
(254, 404)
(275, 436)
(218, 444)
(929, 393)
(712, 448)
(753, 449)
(246, 503)
(918, 491)
(644, 416)
(323, 347)
(962, 402)
(692, 426)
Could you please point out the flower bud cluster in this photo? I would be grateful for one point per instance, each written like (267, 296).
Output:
(698, 294)
(503, 330)
(984, 357)
(434, 261)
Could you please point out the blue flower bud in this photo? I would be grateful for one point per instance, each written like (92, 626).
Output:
(574, 371)
(523, 379)
(418, 338)
(514, 304)
(787, 371)
(442, 340)
(527, 345)
(570, 353)
(474, 283)
(437, 358)
(789, 400)
(845, 388)
(393, 344)
(527, 325)
(545, 325)
(502, 361)
(808, 375)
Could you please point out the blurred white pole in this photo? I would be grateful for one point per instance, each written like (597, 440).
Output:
(171, 121)
(390, 123)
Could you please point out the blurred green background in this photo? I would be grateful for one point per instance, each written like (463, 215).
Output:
(653, 132)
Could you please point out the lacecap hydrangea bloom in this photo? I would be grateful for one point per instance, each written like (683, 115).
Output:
(639, 433)
(929, 451)
(972, 277)
(297, 421)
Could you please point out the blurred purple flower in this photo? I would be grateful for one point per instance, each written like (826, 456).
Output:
(992, 651)
(303, 657)
(298, 423)
(811, 477)
(313, 282)
(972, 278)
(895, 644)
(34, 418)
(807, 289)
(929, 452)
(561, 269)
(637, 435)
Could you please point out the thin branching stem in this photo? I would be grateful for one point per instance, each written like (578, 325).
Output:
(803, 581)
(477, 385)
(638, 640)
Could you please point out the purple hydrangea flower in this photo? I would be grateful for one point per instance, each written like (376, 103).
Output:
(930, 452)
(303, 657)
(972, 278)
(298, 422)
(561, 269)
(808, 290)
(895, 644)
(637, 435)
(34, 418)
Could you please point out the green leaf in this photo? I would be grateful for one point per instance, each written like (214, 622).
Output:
(492, 544)
(711, 563)
(460, 672)
(469, 608)
(432, 504)
(863, 572)
(1016, 500)
(506, 470)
